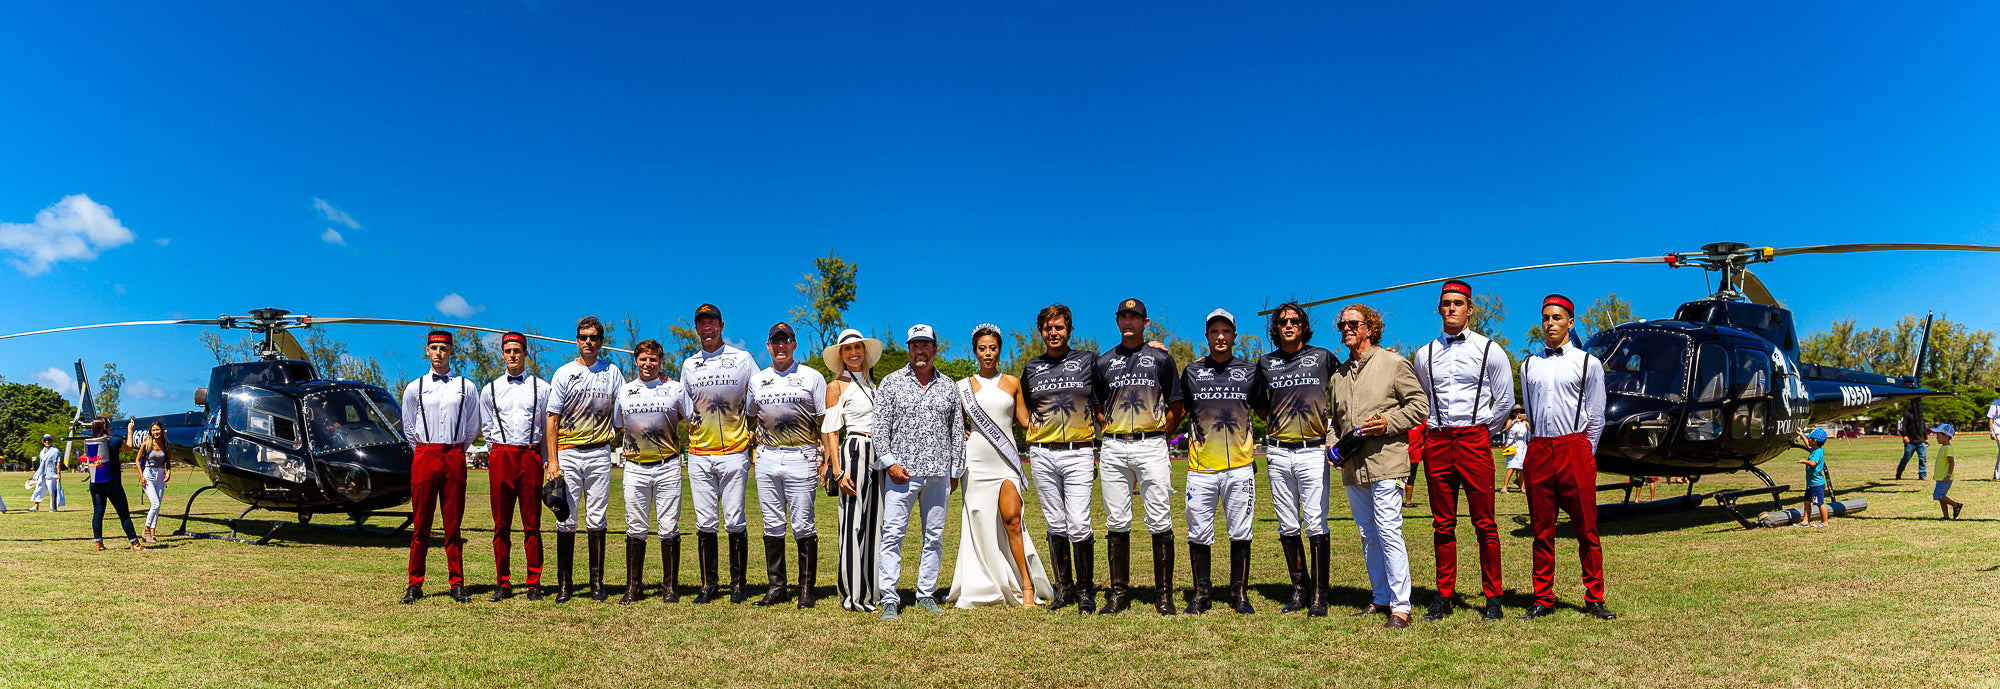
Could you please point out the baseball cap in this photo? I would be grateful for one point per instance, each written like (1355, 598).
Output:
(1133, 305)
(921, 333)
(707, 310)
(1818, 434)
(1946, 429)
(46, 436)
(785, 328)
(1219, 313)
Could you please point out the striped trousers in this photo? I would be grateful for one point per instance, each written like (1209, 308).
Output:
(860, 525)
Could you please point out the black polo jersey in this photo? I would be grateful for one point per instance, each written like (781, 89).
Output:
(1138, 385)
(1060, 392)
(1218, 398)
(1295, 401)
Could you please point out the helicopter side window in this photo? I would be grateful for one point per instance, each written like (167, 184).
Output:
(392, 410)
(1752, 374)
(1712, 374)
(346, 419)
(1647, 364)
(263, 413)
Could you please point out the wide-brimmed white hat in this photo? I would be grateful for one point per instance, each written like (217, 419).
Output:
(831, 356)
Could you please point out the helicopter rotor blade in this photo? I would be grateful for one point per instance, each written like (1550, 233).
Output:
(1889, 246)
(1753, 288)
(189, 321)
(1344, 297)
(441, 325)
(289, 346)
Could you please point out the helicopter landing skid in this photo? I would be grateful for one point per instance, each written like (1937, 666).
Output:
(305, 520)
(1727, 499)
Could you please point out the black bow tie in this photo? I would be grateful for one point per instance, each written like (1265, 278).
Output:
(1553, 352)
(438, 377)
(517, 379)
(1454, 338)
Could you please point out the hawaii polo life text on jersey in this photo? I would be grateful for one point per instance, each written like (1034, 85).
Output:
(719, 435)
(1138, 386)
(1296, 403)
(1220, 399)
(585, 404)
(787, 407)
(1061, 393)
(651, 414)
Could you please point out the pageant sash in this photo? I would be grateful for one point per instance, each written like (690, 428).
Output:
(1002, 440)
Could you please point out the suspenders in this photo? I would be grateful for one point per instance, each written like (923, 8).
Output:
(534, 394)
(1437, 410)
(1583, 379)
(423, 412)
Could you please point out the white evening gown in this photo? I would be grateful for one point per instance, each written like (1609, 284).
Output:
(986, 573)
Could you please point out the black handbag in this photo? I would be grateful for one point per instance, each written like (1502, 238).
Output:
(555, 494)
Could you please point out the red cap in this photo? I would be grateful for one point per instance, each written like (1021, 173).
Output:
(1456, 286)
(514, 337)
(1560, 300)
(438, 336)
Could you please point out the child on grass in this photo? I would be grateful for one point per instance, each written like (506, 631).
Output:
(1942, 494)
(1815, 461)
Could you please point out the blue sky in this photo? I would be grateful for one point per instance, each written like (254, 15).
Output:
(979, 160)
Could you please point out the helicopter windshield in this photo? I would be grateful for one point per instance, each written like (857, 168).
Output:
(346, 419)
(1645, 363)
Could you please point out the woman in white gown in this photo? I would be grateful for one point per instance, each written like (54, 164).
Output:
(997, 565)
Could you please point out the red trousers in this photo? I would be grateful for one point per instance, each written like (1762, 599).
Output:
(1562, 472)
(514, 473)
(438, 475)
(1454, 458)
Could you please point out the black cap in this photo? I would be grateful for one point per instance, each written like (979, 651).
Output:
(781, 327)
(707, 310)
(1133, 305)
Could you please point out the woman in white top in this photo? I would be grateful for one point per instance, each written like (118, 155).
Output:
(154, 472)
(996, 564)
(1517, 448)
(850, 406)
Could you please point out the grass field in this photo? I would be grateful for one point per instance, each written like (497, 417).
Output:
(1890, 597)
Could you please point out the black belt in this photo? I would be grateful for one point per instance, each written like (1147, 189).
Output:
(1065, 446)
(662, 460)
(587, 448)
(1297, 444)
(1135, 436)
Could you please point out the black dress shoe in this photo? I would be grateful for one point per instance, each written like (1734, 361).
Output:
(411, 594)
(500, 594)
(1598, 611)
(1538, 610)
(534, 593)
(458, 594)
(1492, 610)
(1440, 609)
(1372, 609)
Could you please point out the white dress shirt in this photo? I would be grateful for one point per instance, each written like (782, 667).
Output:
(1993, 415)
(1564, 393)
(1468, 380)
(51, 463)
(511, 409)
(440, 409)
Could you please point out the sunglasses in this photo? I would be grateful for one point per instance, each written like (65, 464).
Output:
(781, 339)
(1291, 321)
(590, 338)
(1348, 325)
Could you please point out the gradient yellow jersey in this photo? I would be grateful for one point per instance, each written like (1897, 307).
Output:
(651, 412)
(1138, 385)
(1296, 400)
(1218, 398)
(719, 384)
(1060, 392)
(585, 402)
(787, 406)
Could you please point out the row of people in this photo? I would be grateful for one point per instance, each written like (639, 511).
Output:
(903, 444)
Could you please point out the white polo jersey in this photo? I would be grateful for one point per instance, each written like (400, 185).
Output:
(719, 382)
(651, 413)
(787, 406)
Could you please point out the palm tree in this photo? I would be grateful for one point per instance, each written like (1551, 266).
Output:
(1228, 423)
(1132, 401)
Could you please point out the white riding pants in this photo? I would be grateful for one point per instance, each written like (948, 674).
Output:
(1062, 482)
(653, 498)
(1298, 489)
(587, 474)
(717, 482)
(1234, 490)
(787, 482)
(1123, 463)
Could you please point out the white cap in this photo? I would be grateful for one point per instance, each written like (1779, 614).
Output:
(921, 333)
(1219, 313)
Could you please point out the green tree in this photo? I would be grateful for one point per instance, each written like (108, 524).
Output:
(829, 290)
(681, 342)
(1609, 312)
(108, 385)
(226, 352)
(22, 407)
(1489, 316)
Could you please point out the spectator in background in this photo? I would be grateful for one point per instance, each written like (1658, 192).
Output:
(1993, 430)
(1815, 461)
(1914, 441)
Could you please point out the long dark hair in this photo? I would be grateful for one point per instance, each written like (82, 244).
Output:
(1305, 323)
(165, 447)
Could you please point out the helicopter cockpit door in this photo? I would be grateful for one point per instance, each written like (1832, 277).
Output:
(1711, 389)
(1750, 384)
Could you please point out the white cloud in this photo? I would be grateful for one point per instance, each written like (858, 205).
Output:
(454, 305)
(55, 379)
(139, 389)
(75, 228)
(335, 215)
(332, 236)
(162, 241)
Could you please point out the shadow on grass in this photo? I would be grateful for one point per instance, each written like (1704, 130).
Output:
(294, 533)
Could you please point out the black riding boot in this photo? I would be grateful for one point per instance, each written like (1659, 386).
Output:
(808, 569)
(1086, 566)
(1118, 552)
(1198, 559)
(739, 560)
(774, 571)
(1059, 557)
(1239, 577)
(565, 561)
(597, 566)
(1317, 608)
(670, 556)
(1163, 572)
(1295, 564)
(704, 550)
(635, 568)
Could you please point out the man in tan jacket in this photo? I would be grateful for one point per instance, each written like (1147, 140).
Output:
(1376, 398)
